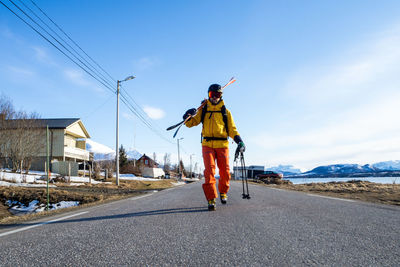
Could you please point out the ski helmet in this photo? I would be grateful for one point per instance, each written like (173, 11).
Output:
(215, 88)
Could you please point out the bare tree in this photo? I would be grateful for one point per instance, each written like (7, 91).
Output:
(22, 136)
(26, 139)
(155, 158)
(108, 165)
(195, 169)
(6, 113)
(96, 170)
(167, 162)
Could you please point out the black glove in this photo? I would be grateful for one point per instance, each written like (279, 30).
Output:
(238, 140)
(189, 112)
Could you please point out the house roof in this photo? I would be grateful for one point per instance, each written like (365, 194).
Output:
(60, 123)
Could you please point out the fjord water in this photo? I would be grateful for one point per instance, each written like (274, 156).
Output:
(381, 180)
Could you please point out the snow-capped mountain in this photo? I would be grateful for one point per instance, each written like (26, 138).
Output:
(133, 154)
(103, 152)
(285, 170)
(379, 168)
(341, 169)
(100, 151)
(393, 165)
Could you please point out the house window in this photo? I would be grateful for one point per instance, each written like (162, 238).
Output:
(146, 162)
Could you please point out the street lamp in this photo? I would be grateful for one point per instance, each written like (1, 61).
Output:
(179, 160)
(117, 129)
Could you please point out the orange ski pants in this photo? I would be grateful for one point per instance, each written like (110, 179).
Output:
(209, 157)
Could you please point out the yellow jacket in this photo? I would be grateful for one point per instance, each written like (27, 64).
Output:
(214, 126)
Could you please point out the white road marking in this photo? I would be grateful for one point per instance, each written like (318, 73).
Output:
(343, 199)
(42, 223)
(73, 215)
(139, 197)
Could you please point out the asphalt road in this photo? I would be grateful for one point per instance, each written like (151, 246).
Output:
(173, 227)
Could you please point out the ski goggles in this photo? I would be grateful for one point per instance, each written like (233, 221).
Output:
(213, 94)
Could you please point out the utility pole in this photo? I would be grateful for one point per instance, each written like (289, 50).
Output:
(191, 165)
(47, 167)
(179, 160)
(117, 130)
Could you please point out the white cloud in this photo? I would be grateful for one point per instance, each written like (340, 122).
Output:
(154, 113)
(364, 67)
(23, 72)
(7, 33)
(128, 116)
(78, 77)
(42, 55)
(346, 112)
(145, 63)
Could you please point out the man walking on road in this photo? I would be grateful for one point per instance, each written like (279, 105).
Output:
(218, 125)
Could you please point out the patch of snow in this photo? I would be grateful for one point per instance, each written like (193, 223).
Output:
(127, 175)
(137, 178)
(4, 183)
(34, 206)
(179, 183)
(77, 179)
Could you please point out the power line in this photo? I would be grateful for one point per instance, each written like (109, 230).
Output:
(55, 46)
(79, 48)
(72, 40)
(93, 72)
(69, 51)
(65, 42)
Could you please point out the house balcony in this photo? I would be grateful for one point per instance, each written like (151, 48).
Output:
(76, 153)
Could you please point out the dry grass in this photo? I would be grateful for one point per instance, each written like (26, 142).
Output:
(359, 190)
(87, 195)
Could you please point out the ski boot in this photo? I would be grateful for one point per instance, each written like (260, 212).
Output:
(211, 205)
(224, 198)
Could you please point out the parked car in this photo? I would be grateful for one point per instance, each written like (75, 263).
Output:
(269, 174)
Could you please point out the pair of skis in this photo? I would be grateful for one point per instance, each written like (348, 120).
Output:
(242, 172)
(185, 120)
(179, 124)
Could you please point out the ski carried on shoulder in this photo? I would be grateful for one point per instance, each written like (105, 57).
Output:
(203, 103)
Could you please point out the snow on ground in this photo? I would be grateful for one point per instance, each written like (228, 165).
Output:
(38, 179)
(132, 177)
(41, 184)
(18, 178)
(78, 179)
(18, 208)
(179, 183)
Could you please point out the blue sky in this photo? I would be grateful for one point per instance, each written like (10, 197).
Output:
(317, 81)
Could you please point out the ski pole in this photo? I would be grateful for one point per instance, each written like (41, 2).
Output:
(247, 184)
(243, 175)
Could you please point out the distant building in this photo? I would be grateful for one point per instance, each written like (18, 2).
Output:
(153, 172)
(250, 171)
(67, 145)
(146, 161)
(150, 167)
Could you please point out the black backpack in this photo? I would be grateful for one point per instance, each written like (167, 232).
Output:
(222, 111)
